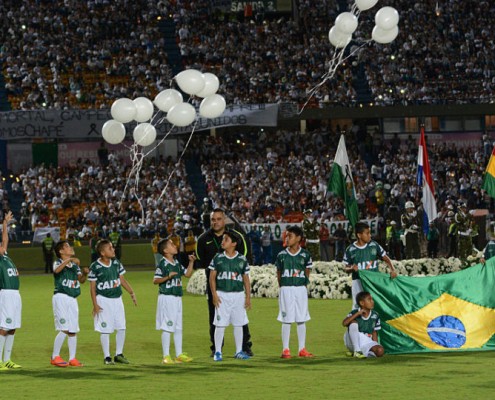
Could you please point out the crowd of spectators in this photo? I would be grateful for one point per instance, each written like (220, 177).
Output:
(87, 54)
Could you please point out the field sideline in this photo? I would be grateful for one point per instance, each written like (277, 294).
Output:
(329, 375)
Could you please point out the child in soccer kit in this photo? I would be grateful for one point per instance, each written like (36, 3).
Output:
(10, 301)
(293, 268)
(231, 293)
(169, 308)
(363, 324)
(364, 253)
(106, 279)
(68, 277)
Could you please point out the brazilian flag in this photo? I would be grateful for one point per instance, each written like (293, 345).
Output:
(451, 312)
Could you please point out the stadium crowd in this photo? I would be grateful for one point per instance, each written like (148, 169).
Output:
(87, 54)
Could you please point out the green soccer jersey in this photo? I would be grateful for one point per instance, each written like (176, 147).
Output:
(365, 257)
(489, 251)
(230, 271)
(107, 278)
(9, 276)
(293, 267)
(367, 325)
(172, 287)
(67, 280)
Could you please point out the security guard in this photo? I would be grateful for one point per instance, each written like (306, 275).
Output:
(464, 222)
(411, 225)
(47, 246)
(311, 229)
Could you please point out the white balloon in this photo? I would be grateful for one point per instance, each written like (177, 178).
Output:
(123, 110)
(182, 114)
(212, 106)
(113, 131)
(211, 85)
(190, 81)
(364, 5)
(144, 109)
(346, 22)
(384, 36)
(144, 134)
(386, 18)
(338, 38)
(167, 98)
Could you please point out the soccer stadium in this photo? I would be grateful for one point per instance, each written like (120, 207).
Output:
(322, 173)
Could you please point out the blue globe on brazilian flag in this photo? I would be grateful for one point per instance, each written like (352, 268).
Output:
(451, 312)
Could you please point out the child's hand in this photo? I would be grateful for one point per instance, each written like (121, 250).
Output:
(192, 258)
(482, 260)
(355, 268)
(133, 297)
(393, 274)
(172, 274)
(216, 300)
(8, 217)
(75, 260)
(85, 271)
(247, 303)
(96, 310)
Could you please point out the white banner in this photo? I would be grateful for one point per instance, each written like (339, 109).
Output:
(277, 229)
(87, 124)
(40, 234)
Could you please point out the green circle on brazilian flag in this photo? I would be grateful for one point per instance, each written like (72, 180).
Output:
(103, 324)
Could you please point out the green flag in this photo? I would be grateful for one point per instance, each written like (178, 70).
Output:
(451, 312)
(341, 183)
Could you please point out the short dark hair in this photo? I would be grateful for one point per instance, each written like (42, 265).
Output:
(233, 235)
(361, 227)
(162, 244)
(218, 209)
(101, 243)
(296, 230)
(59, 246)
(361, 296)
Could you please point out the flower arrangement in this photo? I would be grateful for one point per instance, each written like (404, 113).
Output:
(328, 280)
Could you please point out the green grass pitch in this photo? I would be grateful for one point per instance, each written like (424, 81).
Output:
(330, 375)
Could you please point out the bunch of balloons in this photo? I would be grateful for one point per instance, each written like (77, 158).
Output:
(385, 30)
(346, 23)
(168, 101)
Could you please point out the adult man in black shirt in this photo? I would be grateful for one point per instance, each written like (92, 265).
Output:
(207, 246)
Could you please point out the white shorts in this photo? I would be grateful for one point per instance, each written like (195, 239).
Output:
(231, 309)
(10, 309)
(365, 343)
(169, 313)
(112, 315)
(356, 288)
(293, 304)
(66, 313)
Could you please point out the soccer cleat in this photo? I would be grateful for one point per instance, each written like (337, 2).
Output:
(217, 356)
(358, 354)
(286, 354)
(183, 358)
(59, 362)
(241, 356)
(108, 361)
(249, 352)
(120, 358)
(75, 363)
(3, 367)
(305, 353)
(167, 360)
(11, 365)
(348, 353)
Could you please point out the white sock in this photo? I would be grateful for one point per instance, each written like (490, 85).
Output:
(238, 335)
(285, 336)
(57, 344)
(301, 335)
(72, 342)
(120, 340)
(219, 334)
(7, 351)
(354, 336)
(105, 344)
(2, 345)
(166, 343)
(178, 342)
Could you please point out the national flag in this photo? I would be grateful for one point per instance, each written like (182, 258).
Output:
(489, 178)
(342, 184)
(424, 180)
(450, 312)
